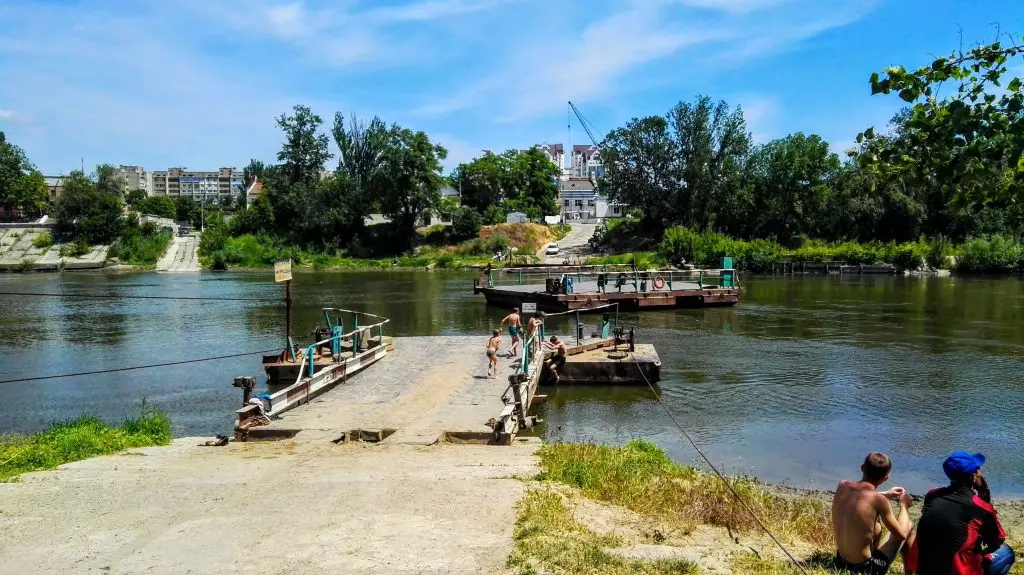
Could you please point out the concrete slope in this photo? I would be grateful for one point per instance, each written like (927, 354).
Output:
(181, 256)
(575, 244)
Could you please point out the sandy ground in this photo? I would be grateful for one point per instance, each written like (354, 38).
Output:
(296, 506)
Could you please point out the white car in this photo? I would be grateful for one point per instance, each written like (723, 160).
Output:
(552, 250)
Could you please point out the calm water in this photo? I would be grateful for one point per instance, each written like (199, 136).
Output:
(795, 384)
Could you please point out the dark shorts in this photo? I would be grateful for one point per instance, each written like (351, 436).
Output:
(558, 361)
(490, 353)
(877, 565)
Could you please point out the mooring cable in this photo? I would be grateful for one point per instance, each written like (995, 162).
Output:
(117, 296)
(134, 367)
(732, 489)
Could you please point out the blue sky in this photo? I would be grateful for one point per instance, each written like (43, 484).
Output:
(197, 83)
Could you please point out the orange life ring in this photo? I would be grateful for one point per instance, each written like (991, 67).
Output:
(659, 282)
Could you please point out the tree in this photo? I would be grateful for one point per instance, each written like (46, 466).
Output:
(794, 178)
(186, 209)
(537, 181)
(486, 180)
(29, 193)
(466, 224)
(90, 208)
(304, 151)
(638, 161)
(970, 144)
(135, 197)
(409, 181)
(161, 206)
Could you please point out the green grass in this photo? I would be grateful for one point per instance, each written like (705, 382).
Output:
(549, 540)
(644, 260)
(640, 476)
(42, 241)
(140, 247)
(78, 439)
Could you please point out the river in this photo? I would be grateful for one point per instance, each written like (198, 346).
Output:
(795, 384)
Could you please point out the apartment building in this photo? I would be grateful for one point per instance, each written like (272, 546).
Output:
(555, 152)
(136, 178)
(176, 182)
(586, 162)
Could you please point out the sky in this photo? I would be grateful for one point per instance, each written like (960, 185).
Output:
(199, 83)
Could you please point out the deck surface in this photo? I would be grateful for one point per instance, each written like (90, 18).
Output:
(426, 387)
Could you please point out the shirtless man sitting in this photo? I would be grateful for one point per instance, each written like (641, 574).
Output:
(859, 510)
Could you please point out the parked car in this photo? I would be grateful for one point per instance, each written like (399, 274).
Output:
(552, 249)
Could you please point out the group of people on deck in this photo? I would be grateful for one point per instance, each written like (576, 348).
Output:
(515, 329)
(958, 533)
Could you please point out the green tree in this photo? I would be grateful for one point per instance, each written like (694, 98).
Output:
(536, 180)
(258, 218)
(135, 197)
(639, 162)
(304, 151)
(968, 144)
(466, 224)
(409, 182)
(793, 186)
(90, 208)
(29, 193)
(486, 180)
(187, 210)
(161, 206)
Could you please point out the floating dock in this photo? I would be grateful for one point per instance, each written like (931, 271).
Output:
(638, 290)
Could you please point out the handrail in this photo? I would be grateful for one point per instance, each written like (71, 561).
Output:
(314, 346)
(356, 312)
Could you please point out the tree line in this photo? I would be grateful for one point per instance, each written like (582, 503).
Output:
(946, 167)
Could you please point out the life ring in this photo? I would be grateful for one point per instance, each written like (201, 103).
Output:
(659, 282)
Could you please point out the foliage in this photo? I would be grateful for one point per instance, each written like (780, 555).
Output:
(90, 208)
(304, 151)
(78, 248)
(78, 439)
(134, 198)
(549, 539)
(939, 252)
(42, 241)
(22, 187)
(409, 180)
(140, 245)
(161, 206)
(968, 144)
(187, 210)
(640, 477)
(258, 218)
(990, 254)
(466, 224)
(496, 184)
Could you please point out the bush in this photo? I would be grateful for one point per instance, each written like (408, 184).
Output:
(435, 235)
(140, 245)
(990, 254)
(43, 241)
(446, 260)
(161, 206)
(939, 252)
(466, 224)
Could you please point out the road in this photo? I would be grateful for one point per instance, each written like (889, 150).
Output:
(181, 255)
(574, 244)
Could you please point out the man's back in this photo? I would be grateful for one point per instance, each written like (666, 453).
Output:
(854, 512)
(954, 525)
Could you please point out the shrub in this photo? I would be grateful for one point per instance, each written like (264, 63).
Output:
(43, 241)
(466, 224)
(140, 245)
(26, 265)
(939, 252)
(990, 254)
(446, 260)
(435, 235)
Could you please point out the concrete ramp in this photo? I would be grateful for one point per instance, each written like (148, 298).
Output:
(18, 251)
(181, 256)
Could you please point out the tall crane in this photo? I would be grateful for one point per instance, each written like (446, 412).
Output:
(583, 122)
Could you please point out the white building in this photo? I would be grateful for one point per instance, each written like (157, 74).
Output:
(580, 201)
(174, 182)
(555, 152)
(136, 178)
(586, 162)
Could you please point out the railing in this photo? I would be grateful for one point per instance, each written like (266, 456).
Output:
(336, 338)
(537, 339)
(639, 280)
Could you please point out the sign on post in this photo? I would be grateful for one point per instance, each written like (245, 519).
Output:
(529, 307)
(283, 271)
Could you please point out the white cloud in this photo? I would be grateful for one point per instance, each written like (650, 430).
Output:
(6, 114)
(762, 116)
(733, 6)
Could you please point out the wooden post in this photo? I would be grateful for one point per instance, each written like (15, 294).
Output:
(288, 316)
(517, 394)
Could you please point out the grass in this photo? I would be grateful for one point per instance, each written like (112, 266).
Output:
(79, 439)
(42, 241)
(639, 476)
(140, 246)
(549, 540)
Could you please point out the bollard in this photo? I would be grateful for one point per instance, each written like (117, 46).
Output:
(247, 384)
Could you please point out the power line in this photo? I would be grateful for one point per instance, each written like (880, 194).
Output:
(732, 489)
(113, 296)
(131, 368)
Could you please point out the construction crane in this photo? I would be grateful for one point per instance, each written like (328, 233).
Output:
(583, 122)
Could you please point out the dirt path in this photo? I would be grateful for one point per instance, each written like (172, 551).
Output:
(297, 506)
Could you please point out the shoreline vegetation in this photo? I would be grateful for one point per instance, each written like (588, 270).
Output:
(80, 438)
(631, 510)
